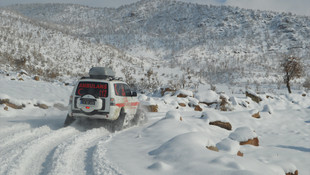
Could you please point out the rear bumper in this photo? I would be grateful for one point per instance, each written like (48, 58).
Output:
(94, 114)
(97, 114)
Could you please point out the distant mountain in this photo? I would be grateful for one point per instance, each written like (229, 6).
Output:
(214, 43)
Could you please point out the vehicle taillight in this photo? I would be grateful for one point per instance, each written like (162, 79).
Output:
(112, 102)
(71, 99)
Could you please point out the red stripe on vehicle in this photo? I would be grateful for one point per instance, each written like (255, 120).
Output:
(127, 104)
(120, 104)
(134, 104)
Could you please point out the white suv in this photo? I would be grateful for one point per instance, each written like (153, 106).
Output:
(102, 96)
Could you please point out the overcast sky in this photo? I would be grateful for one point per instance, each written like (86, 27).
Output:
(300, 7)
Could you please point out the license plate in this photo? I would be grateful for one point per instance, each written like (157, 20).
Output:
(87, 102)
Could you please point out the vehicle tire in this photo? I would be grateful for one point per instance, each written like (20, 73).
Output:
(69, 120)
(119, 122)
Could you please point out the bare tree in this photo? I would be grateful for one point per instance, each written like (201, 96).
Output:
(292, 67)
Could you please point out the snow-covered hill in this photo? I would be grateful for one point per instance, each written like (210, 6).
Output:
(217, 44)
(41, 50)
(211, 54)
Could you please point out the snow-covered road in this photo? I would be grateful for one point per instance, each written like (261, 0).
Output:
(28, 146)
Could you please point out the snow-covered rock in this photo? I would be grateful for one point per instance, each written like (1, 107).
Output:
(183, 93)
(193, 144)
(244, 135)
(229, 146)
(207, 96)
(214, 118)
(267, 108)
(173, 115)
(255, 97)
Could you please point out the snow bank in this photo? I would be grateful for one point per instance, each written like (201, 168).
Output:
(34, 91)
(181, 147)
(160, 166)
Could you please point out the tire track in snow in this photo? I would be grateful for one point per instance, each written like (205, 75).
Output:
(13, 129)
(21, 137)
(10, 149)
(101, 165)
(28, 158)
(73, 157)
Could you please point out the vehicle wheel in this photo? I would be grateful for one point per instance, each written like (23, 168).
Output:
(69, 120)
(118, 123)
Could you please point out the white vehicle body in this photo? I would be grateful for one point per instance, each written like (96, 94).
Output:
(102, 98)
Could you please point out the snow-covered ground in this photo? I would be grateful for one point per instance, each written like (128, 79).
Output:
(173, 141)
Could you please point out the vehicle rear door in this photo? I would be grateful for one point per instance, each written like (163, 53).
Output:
(100, 90)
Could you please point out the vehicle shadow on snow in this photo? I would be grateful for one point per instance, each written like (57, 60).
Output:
(88, 124)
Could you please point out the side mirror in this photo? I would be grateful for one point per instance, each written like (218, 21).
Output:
(133, 94)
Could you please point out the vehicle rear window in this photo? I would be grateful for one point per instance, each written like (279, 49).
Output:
(92, 88)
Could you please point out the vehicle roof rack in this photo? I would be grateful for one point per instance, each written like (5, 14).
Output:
(107, 78)
(101, 73)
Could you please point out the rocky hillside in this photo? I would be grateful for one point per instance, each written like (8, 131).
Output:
(217, 44)
(41, 50)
